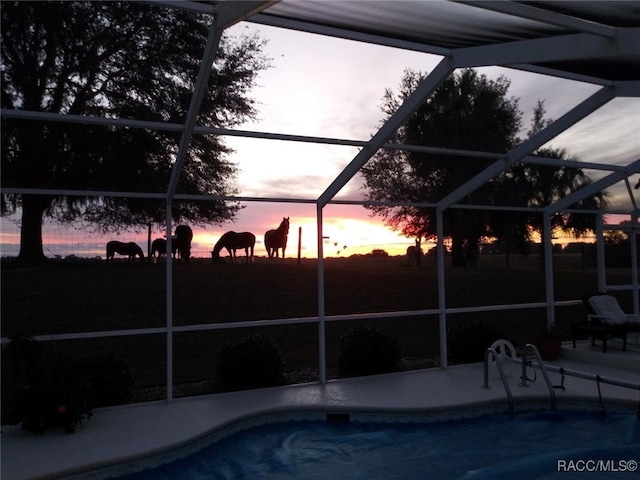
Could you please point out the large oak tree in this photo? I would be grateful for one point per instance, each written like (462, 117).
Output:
(469, 112)
(116, 60)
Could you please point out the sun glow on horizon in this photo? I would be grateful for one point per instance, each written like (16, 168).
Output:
(341, 237)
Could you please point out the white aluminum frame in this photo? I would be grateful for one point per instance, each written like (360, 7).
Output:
(591, 40)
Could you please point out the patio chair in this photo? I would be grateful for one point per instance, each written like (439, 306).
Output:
(605, 320)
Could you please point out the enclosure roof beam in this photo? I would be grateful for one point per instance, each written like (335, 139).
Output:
(230, 13)
(411, 103)
(570, 118)
(580, 46)
(347, 34)
(206, 65)
(227, 14)
(204, 130)
(573, 116)
(554, 72)
(529, 12)
(307, 201)
(520, 64)
(187, 5)
(593, 188)
(630, 88)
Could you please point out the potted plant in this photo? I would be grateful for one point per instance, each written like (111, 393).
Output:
(549, 344)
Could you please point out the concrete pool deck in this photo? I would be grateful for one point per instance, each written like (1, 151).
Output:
(129, 433)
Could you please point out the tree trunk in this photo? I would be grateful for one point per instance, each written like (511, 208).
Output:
(473, 252)
(33, 208)
(457, 252)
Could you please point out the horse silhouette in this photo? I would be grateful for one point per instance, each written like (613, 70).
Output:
(232, 241)
(414, 255)
(159, 246)
(130, 249)
(277, 239)
(180, 244)
(183, 237)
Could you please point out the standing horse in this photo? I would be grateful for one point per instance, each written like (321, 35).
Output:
(233, 241)
(130, 249)
(414, 255)
(276, 239)
(159, 246)
(183, 237)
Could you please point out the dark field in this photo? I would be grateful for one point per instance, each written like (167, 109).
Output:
(84, 296)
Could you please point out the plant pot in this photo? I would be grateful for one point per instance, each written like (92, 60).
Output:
(549, 346)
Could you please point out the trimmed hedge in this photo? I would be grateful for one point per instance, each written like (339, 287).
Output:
(367, 350)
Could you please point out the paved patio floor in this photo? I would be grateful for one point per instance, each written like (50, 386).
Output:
(126, 434)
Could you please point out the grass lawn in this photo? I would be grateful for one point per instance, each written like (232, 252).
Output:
(83, 296)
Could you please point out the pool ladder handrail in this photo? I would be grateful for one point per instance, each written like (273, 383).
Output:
(498, 360)
(525, 362)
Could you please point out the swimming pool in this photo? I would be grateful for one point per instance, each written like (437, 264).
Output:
(525, 446)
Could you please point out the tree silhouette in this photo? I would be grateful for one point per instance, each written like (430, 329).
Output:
(469, 112)
(115, 60)
(538, 186)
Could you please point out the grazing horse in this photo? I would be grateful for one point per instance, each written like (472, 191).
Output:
(183, 237)
(414, 255)
(233, 241)
(130, 249)
(180, 243)
(159, 246)
(276, 239)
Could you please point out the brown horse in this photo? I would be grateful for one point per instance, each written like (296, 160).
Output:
(183, 237)
(233, 241)
(276, 239)
(130, 249)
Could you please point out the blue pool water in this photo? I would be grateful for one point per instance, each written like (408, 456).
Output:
(525, 446)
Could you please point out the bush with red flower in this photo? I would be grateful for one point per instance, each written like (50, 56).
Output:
(40, 392)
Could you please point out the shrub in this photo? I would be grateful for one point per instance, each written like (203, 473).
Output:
(467, 341)
(366, 350)
(60, 392)
(254, 361)
(111, 380)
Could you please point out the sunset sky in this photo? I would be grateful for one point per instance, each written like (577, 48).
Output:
(321, 86)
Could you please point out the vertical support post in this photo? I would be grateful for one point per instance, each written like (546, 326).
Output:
(548, 270)
(149, 242)
(633, 243)
(411, 103)
(213, 41)
(600, 253)
(299, 245)
(169, 282)
(322, 347)
(442, 316)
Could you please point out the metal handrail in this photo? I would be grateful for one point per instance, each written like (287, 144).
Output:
(634, 385)
(589, 376)
(536, 353)
(498, 360)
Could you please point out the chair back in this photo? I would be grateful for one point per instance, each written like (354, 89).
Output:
(608, 309)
